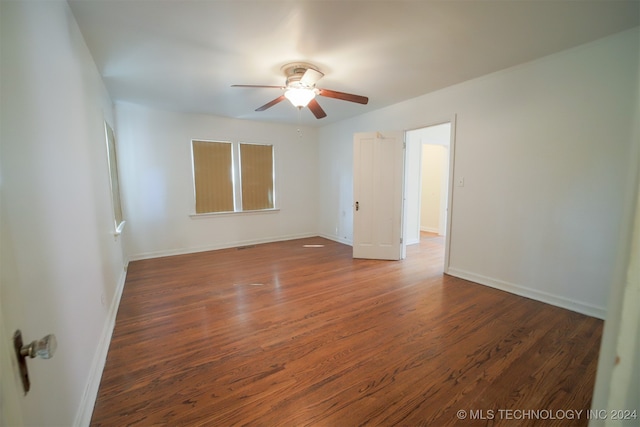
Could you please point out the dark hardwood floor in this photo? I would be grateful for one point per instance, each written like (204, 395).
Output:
(285, 335)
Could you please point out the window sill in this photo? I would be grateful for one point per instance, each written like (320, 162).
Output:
(119, 228)
(238, 213)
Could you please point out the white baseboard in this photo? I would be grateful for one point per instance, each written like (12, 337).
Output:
(88, 401)
(558, 301)
(336, 239)
(215, 247)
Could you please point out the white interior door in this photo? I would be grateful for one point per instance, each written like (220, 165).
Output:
(378, 172)
(11, 319)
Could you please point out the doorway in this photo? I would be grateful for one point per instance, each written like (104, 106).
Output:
(428, 182)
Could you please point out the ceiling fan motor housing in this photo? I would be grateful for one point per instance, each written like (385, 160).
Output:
(295, 72)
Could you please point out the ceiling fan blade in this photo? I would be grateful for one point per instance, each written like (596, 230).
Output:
(272, 103)
(344, 96)
(310, 77)
(316, 109)
(273, 87)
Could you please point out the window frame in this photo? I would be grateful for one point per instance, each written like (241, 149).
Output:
(236, 165)
(114, 179)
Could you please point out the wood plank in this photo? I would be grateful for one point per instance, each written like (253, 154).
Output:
(282, 334)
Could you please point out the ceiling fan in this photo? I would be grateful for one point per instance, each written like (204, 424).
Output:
(300, 88)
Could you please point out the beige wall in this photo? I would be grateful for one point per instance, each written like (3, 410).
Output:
(433, 176)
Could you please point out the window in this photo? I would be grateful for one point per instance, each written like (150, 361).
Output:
(256, 177)
(232, 177)
(213, 176)
(114, 181)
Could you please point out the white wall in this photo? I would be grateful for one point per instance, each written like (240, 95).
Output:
(412, 188)
(61, 266)
(543, 148)
(157, 184)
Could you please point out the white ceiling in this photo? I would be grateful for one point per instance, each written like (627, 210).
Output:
(184, 55)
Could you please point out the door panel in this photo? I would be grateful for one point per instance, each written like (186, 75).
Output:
(378, 183)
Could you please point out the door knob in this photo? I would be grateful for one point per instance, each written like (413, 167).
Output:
(43, 348)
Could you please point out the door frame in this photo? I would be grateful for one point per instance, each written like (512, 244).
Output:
(452, 139)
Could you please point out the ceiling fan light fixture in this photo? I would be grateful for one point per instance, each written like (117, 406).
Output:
(300, 97)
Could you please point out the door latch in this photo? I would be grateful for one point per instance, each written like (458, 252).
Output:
(44, 348)
(357, 206)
